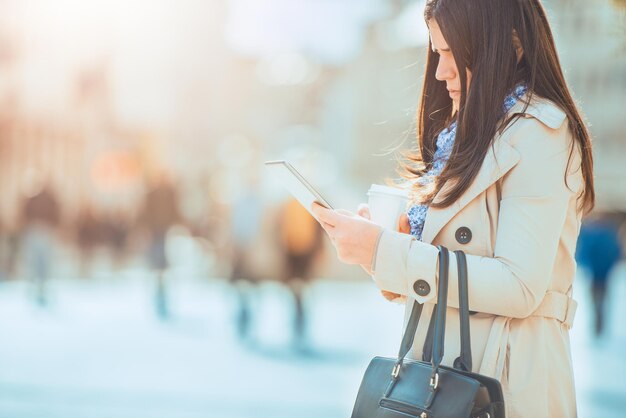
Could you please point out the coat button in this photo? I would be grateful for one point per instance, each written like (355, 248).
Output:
(421, 287)
(463, 235)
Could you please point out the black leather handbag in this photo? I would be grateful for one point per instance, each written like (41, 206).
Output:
(400, 388)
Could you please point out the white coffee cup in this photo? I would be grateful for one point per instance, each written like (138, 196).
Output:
(387, 204)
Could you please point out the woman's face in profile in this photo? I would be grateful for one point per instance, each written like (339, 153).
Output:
(446, 69)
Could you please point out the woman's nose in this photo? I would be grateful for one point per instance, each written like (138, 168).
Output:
(445, 71)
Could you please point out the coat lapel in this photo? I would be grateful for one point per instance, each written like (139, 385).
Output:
(498, 161)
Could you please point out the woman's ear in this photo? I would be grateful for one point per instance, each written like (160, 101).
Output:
(517, 44)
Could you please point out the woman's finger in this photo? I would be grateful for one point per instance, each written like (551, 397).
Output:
(389, 295)
(327, 227)
(403, 224)
(344, 212)
(364, 211)
(323, 215)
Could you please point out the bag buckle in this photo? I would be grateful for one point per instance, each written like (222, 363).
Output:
(434, 381)
(396, 371)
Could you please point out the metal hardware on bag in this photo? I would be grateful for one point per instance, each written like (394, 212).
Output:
(434, 381)
(415, 396)
(396, 371)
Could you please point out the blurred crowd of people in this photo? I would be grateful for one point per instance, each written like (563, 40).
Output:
(32, 248)
(299, 239)
(95, 239)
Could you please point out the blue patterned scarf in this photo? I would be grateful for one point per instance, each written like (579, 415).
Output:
(445, 142)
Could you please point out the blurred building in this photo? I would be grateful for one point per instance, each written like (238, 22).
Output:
(591, 39)
(98, 94)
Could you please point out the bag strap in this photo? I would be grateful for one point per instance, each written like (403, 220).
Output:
(442, 303)
(464, 361)
(411, 328)
(440, 325)
(427, 351)
(416, 312)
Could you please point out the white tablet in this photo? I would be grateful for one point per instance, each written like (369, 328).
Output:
(296, 184)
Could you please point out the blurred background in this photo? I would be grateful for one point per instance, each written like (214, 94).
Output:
(148, 266)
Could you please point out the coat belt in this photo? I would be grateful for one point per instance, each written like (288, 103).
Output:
(558, 306)
(554, 305)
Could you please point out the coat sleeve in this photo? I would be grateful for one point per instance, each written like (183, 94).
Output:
(533, 208)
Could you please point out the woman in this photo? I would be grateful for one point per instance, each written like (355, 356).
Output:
(504, 173)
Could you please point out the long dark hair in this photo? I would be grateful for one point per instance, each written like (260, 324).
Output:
(480, 36)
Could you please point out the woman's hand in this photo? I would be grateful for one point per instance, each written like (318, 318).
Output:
(403, 226)
(364, 211)
(354, 237)
(338, 225)
(403, 221)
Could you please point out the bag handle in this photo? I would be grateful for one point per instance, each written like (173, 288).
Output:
(440, 323)
(409, 333)
(464, 361)
(416, 312)
(442, 304)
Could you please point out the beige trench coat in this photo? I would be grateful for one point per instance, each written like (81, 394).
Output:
(523, 223)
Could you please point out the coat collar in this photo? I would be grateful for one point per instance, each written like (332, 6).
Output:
(499, 159)
(541, 109)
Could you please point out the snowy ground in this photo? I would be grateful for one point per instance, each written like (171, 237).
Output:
(98, 350)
